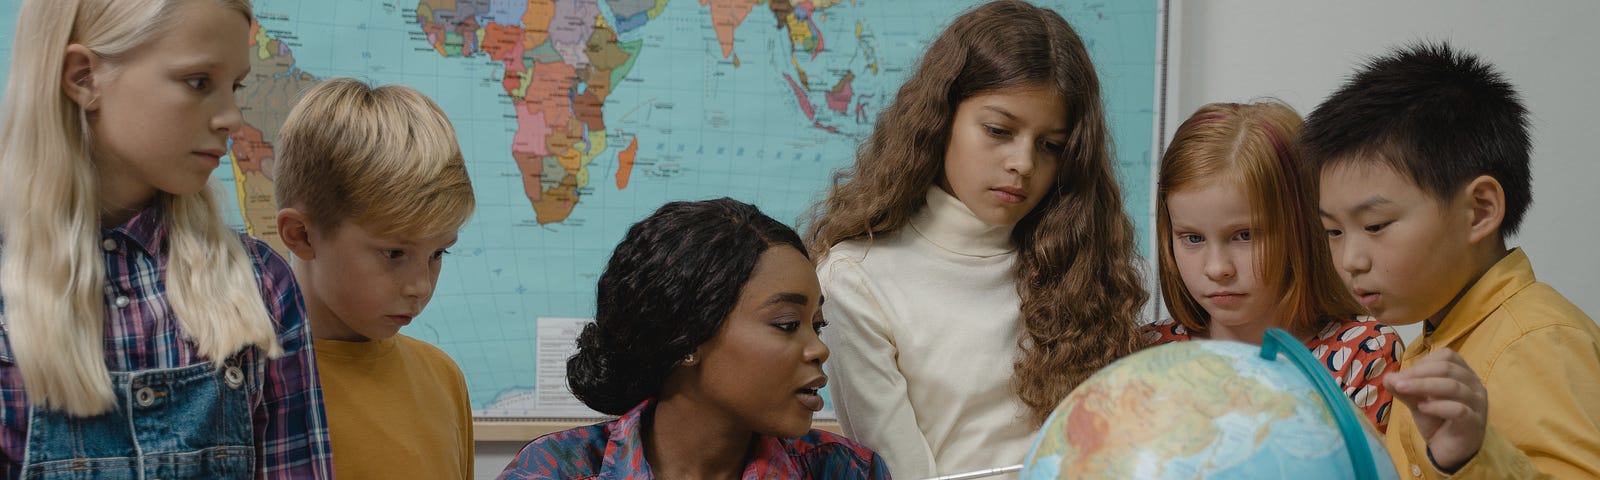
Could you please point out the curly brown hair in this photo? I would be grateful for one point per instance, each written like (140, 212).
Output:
(1075, 272)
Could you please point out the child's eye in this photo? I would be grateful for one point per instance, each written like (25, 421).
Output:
(440, 254)
(818, 325)
(394, 254)
(1242, 236)
(997, 131)
(1191, 239)
(790, 327)
(1377, 228)
(1054, 147)
(1334, 233)
(199, 83)
(238, 86)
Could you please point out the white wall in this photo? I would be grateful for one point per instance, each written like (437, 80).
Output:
(1299, 51)
(492, 457)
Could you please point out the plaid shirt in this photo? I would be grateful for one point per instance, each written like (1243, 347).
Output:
(614, 450)
(140, 334)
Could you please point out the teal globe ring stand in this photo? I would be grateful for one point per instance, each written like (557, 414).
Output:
(1276, 342)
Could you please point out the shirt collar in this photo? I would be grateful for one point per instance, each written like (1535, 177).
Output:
(950, 225)
(769, 459)
(624, 457)
(1507, 277)
(145, 230)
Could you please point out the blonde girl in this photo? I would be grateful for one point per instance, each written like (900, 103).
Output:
(142, 337)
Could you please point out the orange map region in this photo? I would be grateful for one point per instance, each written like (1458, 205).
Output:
(800, 95)
(625, 163)
(726, 16)
(252, 159)
(270, 92)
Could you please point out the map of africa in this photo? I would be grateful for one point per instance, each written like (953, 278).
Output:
(579, 117)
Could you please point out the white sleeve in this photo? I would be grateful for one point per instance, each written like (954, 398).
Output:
(869, 391)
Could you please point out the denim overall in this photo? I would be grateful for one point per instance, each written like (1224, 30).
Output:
(186, 422)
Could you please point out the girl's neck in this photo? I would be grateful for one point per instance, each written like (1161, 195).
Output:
(113, 216)
(120, 201)
(684, 438)
(1249, 333)
(1253, 332)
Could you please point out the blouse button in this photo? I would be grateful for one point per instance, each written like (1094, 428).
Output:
(122, 301)
(1416, 471)
(108, 245)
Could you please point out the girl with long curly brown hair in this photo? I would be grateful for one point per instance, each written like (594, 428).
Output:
(976, 260)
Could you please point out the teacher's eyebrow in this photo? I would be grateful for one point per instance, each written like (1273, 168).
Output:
(788, 297)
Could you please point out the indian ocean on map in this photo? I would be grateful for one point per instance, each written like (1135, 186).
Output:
(579, 117)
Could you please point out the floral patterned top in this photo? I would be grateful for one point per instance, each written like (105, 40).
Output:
(614, 450)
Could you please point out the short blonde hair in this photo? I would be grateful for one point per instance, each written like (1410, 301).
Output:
(385, 158)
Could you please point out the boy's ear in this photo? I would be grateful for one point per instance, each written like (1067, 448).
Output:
(294, 228)
(77, 77)
(1486, 200)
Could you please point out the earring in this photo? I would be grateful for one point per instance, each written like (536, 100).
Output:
(688, 359)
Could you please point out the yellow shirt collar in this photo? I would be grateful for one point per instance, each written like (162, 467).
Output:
(1507, 277)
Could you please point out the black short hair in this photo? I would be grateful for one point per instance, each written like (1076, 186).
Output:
(667, 289)
(1439, 115)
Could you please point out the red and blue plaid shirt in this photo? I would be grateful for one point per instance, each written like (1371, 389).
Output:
(613, 450)
(141, 334)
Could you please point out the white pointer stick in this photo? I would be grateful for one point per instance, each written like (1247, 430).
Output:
(980, 473)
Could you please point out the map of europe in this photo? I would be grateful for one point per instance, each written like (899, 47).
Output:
(580, 117)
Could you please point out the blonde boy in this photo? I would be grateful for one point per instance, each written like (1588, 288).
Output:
(1423, 157)
(372, 189)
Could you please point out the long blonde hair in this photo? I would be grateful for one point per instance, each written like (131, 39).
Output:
(385, 157)
(1255, 145)
(1075, 270)
(52, 273)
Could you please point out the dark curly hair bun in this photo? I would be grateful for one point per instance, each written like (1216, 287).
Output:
(670, 283)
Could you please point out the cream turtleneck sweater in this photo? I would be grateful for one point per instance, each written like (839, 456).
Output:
(924, 324)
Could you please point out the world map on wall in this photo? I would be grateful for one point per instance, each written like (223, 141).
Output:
(579, 117)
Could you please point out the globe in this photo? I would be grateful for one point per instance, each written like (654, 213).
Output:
(1209, 409)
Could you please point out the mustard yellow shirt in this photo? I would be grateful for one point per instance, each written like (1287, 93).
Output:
(1539, 359)
(397, 408)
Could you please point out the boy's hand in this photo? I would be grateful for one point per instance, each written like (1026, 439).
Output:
(1449, 404)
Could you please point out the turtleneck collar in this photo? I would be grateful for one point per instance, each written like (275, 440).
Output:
(950, 225)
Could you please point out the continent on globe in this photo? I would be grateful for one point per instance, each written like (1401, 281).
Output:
(1203, 409)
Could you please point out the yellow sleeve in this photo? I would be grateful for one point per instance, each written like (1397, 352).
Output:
(868, 389)
(464, 404)
(1544, 408)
